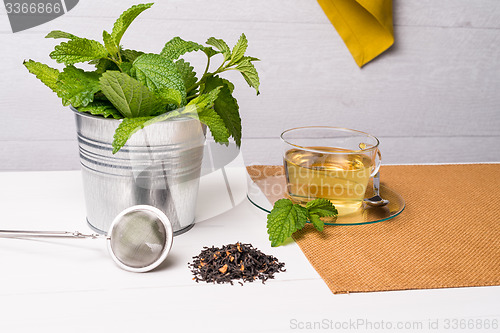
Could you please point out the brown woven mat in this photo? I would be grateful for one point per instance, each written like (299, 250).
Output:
(448, 235)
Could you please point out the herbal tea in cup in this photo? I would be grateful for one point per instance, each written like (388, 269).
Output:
(329, 162)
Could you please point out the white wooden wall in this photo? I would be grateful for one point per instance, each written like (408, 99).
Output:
(434, 97)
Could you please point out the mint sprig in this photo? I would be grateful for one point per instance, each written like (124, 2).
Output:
(144, 88)
(286, 218)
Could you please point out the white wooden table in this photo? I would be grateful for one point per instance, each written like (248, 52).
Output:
(73, 285)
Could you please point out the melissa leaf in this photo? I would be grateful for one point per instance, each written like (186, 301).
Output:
(126, 129)
(60, 34)
(176, 47)
(101, 108)
(226, 106)
(78, 50)
(321, 207)
(239, 50)
(129, 126)
(76, 87)
(215, 124)
(186, 72)
(130, 55)
(44, 73)
(220, 45)
(157, 72)
(249, 73)
(130, 97)
(109, 43)
(125, 19)
(286, 218)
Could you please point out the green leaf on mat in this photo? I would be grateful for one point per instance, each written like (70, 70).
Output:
(285, 218)
(321, 207)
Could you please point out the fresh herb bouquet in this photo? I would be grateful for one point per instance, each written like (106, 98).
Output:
(145, 88)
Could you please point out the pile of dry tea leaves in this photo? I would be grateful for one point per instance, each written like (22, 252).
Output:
(234, 262)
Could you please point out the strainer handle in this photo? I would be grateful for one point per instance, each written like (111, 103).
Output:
(45, 234)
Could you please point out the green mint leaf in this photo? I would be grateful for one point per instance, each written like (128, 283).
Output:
(78, 50)
(170, 96)
(216, 125)
(206, 100)
(76, 87)
(101, 108)
(250, 58)
(109, 43)
(250, 74)
(321, 207)
(210, 52)
(129, 126)
(157, 72)
(220, 45)
(226, 106)
(229, 85)
(125, 130)
(104, 64)
(130, 55)
(60, 34)
(239, 50)
(187, 72)
(44, 73)
(207, 115)
(316, 222)
(285, 218)
(176, 47)
(126, 68)
(125, 19)
(130, 97)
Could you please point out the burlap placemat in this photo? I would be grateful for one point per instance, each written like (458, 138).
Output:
(448, 235)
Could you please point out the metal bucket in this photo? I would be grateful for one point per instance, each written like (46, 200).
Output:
(159, 166)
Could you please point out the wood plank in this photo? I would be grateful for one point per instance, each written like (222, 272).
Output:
(63, 155)
(395, 150)
(442, 13)
(433, 82)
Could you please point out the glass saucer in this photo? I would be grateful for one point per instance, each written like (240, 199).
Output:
(365, 215)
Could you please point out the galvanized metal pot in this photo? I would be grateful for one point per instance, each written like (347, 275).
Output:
(159, 166)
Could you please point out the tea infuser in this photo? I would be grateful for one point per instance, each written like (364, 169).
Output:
(138, 239)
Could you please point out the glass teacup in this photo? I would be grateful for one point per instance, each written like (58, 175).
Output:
(329, 162)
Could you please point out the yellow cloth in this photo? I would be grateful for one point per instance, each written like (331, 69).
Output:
(364, 25)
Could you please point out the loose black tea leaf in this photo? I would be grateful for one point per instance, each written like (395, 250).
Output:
(234, 262)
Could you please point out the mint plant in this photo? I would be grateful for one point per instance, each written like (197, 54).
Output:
(144, 88)
(287, 217)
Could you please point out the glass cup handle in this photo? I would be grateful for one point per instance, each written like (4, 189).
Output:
(378, 160)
